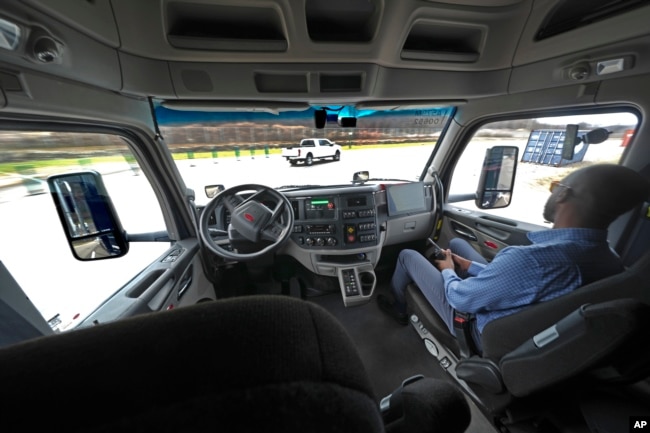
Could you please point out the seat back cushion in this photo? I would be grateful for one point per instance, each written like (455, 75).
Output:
(258, 363)
(507, 333)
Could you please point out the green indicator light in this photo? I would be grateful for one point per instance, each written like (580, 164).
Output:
(315, 202)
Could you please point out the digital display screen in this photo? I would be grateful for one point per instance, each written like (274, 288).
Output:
(320, 204)
(320, 207)
(405, 198)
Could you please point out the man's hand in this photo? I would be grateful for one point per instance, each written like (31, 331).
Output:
(461, 263)
(447, 263)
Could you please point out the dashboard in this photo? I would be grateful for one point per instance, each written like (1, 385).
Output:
(341, 221)
(340, 231)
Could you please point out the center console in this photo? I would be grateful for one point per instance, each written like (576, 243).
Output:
(339, 231)
(337, 222)
(338, 234)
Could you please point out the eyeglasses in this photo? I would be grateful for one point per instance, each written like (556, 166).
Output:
(555, 184)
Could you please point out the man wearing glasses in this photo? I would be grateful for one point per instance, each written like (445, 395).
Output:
(575, 252)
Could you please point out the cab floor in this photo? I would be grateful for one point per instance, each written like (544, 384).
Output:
(390, 352)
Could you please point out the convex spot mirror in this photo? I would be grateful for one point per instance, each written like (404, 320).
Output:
(211, 191)
(87, 215)
(360, 177)
(497, 177)
(572, 139)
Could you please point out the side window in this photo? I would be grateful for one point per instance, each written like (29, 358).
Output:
(538, 160)
(33, 246)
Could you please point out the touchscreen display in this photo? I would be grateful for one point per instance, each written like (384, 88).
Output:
(405, 198)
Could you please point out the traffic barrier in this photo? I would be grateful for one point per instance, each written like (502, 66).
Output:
(627, 137)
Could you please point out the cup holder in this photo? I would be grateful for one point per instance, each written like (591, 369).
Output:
(367, 280)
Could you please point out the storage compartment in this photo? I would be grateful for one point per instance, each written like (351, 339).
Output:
(442, 42)
(224, 28)
(341, 20)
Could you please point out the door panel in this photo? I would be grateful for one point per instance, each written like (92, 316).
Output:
(486, 233)
(175, 279)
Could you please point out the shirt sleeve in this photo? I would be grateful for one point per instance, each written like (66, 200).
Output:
(474, 268)
(507, 282)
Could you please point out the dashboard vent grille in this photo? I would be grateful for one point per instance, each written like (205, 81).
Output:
(341, 83)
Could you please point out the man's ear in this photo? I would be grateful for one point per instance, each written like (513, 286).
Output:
(563, 195)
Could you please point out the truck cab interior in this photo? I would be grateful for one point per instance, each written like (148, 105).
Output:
(165, 265)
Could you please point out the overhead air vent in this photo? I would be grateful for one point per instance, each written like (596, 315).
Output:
(340, 83)
(224, 28)
(568, 15)
(431, 41)
(281, 83)
(342, 20)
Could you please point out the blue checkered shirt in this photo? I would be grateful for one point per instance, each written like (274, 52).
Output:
(557, 262)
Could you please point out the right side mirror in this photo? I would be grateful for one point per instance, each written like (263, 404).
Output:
(497, 177)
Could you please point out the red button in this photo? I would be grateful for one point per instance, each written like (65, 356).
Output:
(249, 217)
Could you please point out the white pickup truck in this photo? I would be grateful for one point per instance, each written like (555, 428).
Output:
(310, 149)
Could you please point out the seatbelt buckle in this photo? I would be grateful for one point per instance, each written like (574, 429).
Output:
(463, 331)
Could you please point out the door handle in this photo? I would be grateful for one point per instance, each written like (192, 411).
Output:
(185, 284)
(466, 234)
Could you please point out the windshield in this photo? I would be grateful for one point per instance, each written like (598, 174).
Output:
(233, 148)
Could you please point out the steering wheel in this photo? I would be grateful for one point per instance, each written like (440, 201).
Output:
(261, 219)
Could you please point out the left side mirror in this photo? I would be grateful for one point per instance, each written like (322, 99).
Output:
(87, 215)
(497, 177)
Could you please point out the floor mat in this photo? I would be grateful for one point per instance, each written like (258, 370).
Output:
(390, 352)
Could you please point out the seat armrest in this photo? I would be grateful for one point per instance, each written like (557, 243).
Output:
(481, 371)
